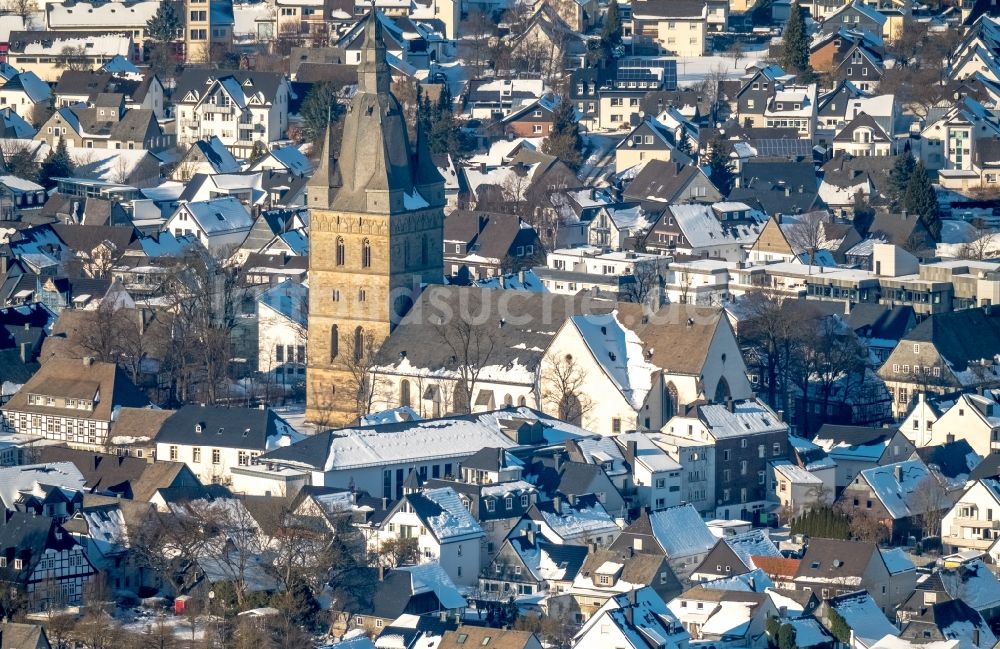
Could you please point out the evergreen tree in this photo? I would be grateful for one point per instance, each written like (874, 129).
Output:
(317, 110)
(56, 165)
(165, 25)
(611, 33)
(921, 200)
(899, 178)
(795, 47)
(442, 131)
(838, 626)
(564, 141)
(684, 144)
(21, 163)
(786, 637)
(720, 168)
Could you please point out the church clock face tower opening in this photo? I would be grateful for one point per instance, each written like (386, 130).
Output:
(376, 230)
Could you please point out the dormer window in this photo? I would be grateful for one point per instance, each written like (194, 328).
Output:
(18, 564)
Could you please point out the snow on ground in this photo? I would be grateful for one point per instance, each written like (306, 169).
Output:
(600, 160)
(956, 234)
(142, 621)
(953, 231)
(692, 70)
(246, 16)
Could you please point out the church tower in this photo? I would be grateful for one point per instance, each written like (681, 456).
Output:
(376, 235)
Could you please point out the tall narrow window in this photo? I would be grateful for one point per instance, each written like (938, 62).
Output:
(340, 251)
(359, 343)
(423, 250)
(366, 254)
(334, 342)
(404, 393)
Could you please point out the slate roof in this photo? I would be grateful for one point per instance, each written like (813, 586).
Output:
(881, 321)
(660, 181)
(951, 459)
(58, 376)
(197, 79)
(848, 171)
(242, 428)
(15, 635)
(125, 476)
(491, 233)
(465, 637)
(863, 120)
(948, 333)
(415, 341)
(835, 561)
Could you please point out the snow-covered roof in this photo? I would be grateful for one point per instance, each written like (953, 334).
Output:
(746, 418)
(219, 215)
(96, 45)
(896, 561)
(431, 577)
(290, 299)
(681, 532)
(702, 228)
(586, 518)
(648, 454)
(619, 351)
(864, 616)
(898, 486)
(34, 478)
(643, 619)
(796, 474)
(448, 518)
(70, 16)
(974, 584)
(755, 543)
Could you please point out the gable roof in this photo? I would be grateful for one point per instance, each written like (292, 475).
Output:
(947, 332)
(221, 426)
(835, 561)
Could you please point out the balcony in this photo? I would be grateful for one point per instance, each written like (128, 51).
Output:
(190, 123)
(968, 521)
(212, 108)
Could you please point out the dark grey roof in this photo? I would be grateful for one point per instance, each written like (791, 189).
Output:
(660, 180)
(779, 186)
(577, 478)
(826, 559)
(881, 321)
(863, 120)
(855, 435)
(848, 171)
(486, 459)
(950, 459)
(197, 79)
(418, 338)
(949, 333)
(244, 428)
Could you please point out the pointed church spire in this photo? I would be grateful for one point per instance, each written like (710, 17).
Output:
(323, 183)
(373, 71)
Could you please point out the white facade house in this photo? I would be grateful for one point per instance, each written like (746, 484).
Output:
(240, 112)
(378, 459)
(445, 531)
(627, 620)
(222, 445)
(972, 417)
(799, 489)
(641, 382)
(22, 92)
(282, 318)
(656, 476)
(973, 523)
(220, 224)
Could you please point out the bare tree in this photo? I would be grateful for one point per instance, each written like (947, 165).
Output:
(472, 347)
(25, 9)
(736, 51)
(867, 527)
(827, 353)
(806, 234)
(74, 58)
(562, 384)
(646, 285)
(366, 385)
(395, 552)
(984, 244)
(931, 501)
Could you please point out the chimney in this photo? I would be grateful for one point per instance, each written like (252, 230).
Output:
(27, 326)
(381, 573)
(4, 260)
(781, 415)
(898, 472)
(385, 503)
(730, 405)
(632, 447)
(531, 535)
(975, 637)
(25, 352)
(557, 504)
